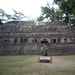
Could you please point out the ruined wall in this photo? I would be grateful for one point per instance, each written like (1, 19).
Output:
(26, 38)
(61, 49)
(19, 49)
(53, 49)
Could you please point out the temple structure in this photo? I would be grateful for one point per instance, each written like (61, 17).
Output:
(24, 37)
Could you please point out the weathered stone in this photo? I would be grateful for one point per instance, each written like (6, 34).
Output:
(24, 37)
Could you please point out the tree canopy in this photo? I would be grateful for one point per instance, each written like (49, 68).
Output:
(7, 17)
(68, 8)
(50, 13)
(65, 12)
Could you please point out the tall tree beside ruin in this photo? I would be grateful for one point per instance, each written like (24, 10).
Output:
(65, 12)
(50, 13)
(68, 8)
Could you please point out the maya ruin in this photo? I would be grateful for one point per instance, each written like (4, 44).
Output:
(24, 37)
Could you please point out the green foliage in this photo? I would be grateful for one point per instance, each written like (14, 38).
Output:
(6, 17)
(58, 15)
(57, 1)
(17, 15)
(2, 15)
(68, 7)
(41, 18)
(46, 11)
(50, 13)
(1, 22)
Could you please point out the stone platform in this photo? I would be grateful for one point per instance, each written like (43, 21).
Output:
(45, 59)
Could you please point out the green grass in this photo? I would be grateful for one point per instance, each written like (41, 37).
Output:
(28, 65)
(68, 57)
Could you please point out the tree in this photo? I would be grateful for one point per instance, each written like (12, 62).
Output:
(57, 1)
(2, 15)
(50, 13)
(41, 18)
(46, 13)
(17, 15)
(7, 17)
(59, 15)
(68, 8)
(1, 22)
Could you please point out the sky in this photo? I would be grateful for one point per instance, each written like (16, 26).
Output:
(30, 8)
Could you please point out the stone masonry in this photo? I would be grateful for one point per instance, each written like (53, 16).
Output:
(24, 37)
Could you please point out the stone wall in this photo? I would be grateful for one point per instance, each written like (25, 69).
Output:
(24, 37)
(53, 49)
(61, 49)
(19, 49)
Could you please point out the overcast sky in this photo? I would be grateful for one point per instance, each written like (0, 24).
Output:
(30, 8)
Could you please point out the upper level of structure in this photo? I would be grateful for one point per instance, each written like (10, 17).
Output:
(31, 27)
(28, 26)
(24, 31)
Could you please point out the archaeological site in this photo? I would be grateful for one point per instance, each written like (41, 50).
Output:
(24, 37)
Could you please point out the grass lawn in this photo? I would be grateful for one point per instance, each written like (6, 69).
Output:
(28, 65)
